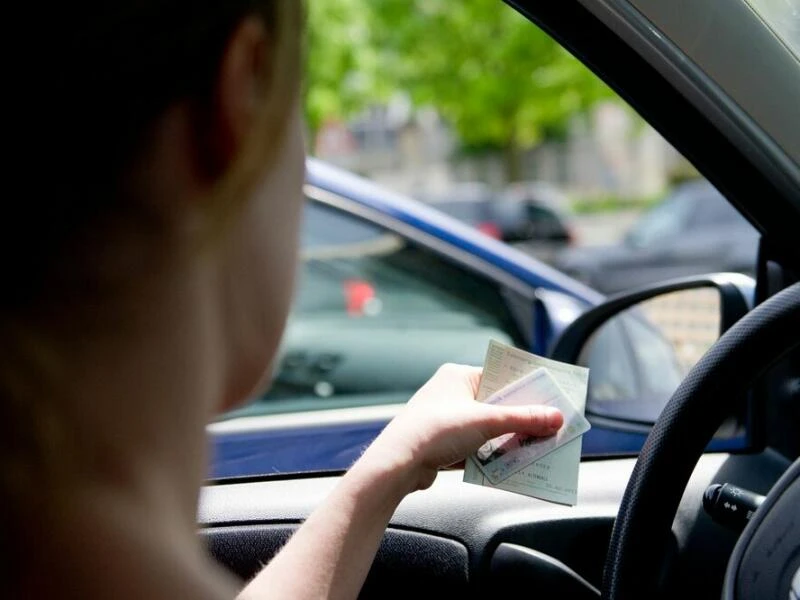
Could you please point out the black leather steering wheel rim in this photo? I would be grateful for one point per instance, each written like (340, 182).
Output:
(684, 429)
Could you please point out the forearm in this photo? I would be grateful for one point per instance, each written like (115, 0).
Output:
(331, 553)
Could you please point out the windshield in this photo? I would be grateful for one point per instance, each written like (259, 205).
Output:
(663, 221)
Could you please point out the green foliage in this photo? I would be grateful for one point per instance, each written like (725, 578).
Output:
(342, 61)
(499, 81)
(612, 204)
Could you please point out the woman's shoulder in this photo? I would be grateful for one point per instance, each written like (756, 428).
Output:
(104, 547)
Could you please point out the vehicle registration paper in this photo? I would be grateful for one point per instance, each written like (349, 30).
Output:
(553, 477)
(503, 456)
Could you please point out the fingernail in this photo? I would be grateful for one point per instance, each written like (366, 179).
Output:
(553, 418)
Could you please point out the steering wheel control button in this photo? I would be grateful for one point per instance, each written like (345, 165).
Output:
(730, 505)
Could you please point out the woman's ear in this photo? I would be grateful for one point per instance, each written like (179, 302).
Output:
(237, 94)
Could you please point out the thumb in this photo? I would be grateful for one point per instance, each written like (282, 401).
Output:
(538, 421)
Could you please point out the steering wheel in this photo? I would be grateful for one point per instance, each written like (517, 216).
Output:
(679, 437)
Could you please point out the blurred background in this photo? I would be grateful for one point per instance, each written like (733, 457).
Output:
(466, 107)
(495, 124)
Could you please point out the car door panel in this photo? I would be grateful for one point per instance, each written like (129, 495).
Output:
(256, 448)
(327, 440)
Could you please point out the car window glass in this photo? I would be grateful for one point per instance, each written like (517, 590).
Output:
(526, 147)
(663, 221)
(713, 209)
(374, 316)
(473, 212)
(324, 227)
(544, 222)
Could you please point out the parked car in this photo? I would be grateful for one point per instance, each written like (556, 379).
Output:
(693, 230)
(522, 214)
(543, 227)
(389, 289)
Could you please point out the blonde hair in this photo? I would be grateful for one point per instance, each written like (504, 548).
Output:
(113, 70)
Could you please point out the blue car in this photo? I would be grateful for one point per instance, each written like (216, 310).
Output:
(389, 289)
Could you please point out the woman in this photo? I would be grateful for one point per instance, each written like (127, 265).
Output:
(155, 296)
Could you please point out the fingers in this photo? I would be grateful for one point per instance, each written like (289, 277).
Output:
(468, 372)
(539, 421)
(544, 418)
(453, 375)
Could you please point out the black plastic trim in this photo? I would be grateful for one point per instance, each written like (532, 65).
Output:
(407, 562)
(514, 567)
(734, 305)
(481, 519)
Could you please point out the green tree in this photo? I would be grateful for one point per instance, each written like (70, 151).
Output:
(342, 61)
(501, 82)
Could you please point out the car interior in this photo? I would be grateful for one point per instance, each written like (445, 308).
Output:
(652, 524)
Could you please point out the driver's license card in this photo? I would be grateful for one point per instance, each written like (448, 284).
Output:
(503, 456)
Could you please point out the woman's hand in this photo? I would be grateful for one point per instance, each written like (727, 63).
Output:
(443, 424)
(330, 554)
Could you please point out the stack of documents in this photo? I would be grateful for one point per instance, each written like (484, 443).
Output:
(545, 468)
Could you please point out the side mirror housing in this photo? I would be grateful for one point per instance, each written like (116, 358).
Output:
(639, 345)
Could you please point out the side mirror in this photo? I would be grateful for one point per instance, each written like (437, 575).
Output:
(639, 345)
